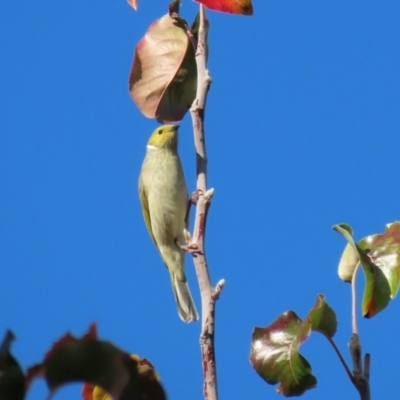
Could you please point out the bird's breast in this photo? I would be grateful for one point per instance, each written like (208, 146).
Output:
(167, 196)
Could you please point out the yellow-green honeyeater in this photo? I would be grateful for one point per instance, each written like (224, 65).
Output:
(164, 198)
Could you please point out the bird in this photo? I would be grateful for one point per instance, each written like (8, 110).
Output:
(164, 200)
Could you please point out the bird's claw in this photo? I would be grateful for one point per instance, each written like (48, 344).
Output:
(187, 236)
(195, 196)
(189, 246)
(198, 192)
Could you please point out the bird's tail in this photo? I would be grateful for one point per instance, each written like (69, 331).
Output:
(186, 308)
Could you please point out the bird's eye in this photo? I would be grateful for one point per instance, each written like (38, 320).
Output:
(160, 131)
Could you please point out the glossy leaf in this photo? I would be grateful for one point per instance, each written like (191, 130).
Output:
(98, 362)
(384, 252)
(275, 349)
(275, 357)
(163, 77)
(378, 270)
(243, 7)
(12, 379)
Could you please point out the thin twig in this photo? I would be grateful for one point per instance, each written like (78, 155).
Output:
(208, 293)
(6, 344)
(339, 354)
(191, 37)
(367, 365)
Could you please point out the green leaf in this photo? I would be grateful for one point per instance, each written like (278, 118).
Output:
(384, 252)
(275, 349)
(348, 263)
(349, 259)
(275, 357)
(347, 231)
(322, 317)
(12, 379)
(378, 272)
(344, 227)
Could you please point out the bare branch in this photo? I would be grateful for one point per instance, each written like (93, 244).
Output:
(339, 354)
(208, 294)
(360, 377)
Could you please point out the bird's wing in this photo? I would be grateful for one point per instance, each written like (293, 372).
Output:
(146, 211)
(189, 204)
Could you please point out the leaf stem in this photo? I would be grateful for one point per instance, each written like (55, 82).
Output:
(354, 301)
(339, 354)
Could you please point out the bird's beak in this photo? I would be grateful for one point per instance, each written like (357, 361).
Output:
(177, 127)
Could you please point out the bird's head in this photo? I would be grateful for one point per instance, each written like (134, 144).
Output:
(164, 137)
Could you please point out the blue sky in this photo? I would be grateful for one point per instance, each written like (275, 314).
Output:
(302, 133)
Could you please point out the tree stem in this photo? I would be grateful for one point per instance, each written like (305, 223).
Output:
(209, 294)
(360, 372)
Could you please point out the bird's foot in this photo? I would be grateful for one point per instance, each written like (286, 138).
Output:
(189, 246)
(195, 196)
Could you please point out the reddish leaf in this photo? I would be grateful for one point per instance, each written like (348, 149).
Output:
(12, 380)
(275, 357)
(243, 7)
(379, 257)
(87, 391)
(134, 4)
(99, 362)
(384, 253)
(93, 392)
(163, 77)
(275, 349)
